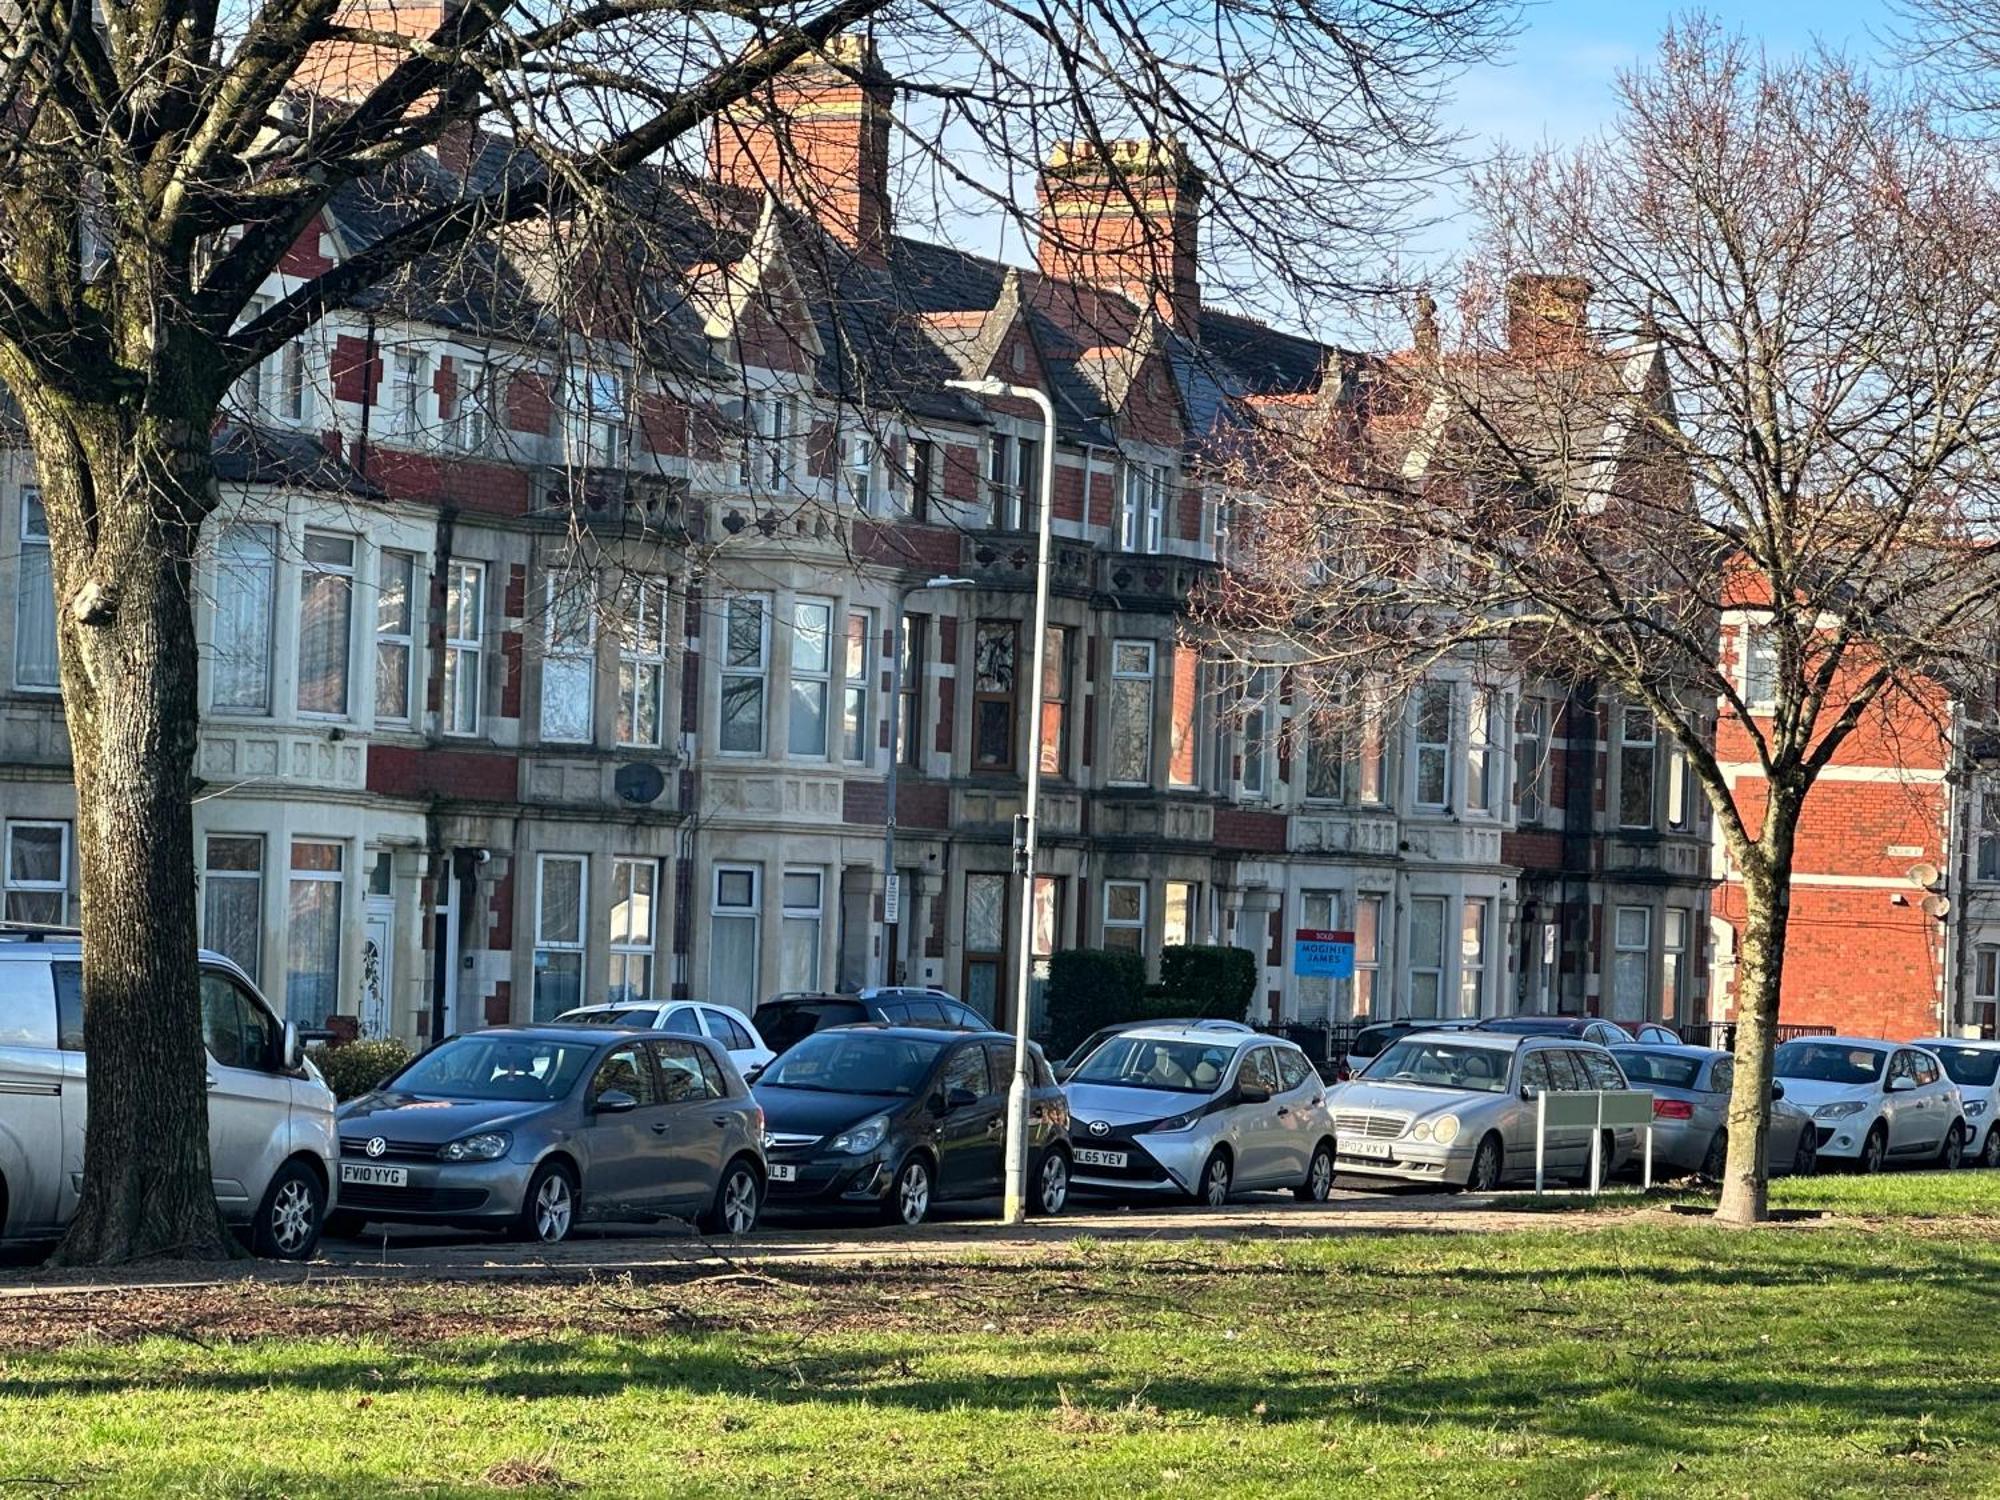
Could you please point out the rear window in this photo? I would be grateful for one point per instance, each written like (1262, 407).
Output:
(1371, 1042)
(788, 1022)
(924, 1012)
(1972, 1067)
(27, 1006)
(1657, 1068)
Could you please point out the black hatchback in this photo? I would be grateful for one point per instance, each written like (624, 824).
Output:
(895, 1118)
(790, 1019)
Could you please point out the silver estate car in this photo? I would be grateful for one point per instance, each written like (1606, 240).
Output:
(270, 1115)
(1184, 1111)
(1690, 1087)
(1458, 1107)
(534, 1128)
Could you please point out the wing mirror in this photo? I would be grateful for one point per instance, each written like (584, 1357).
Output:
(754, 1072)
(1777, 1088)
(1902, 1084)
(294, 1050)
(960, 1099)
(615, 1102)
(1252, 1093)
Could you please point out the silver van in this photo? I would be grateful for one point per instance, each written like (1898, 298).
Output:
(270, 1116)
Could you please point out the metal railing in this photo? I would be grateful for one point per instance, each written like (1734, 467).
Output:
(1722, 1034)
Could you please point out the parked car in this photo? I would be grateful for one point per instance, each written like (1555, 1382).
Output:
(1690, 1087)
(1091, 1043)
(270, 1116)
(789, 1019)
(1458, 1107)
(1370, 1040)
(729, 1027)
(533, 1129)
(1875, 1102)
(1975, 1067)
(1586, 1028)
(1181, 1111)
(1656, 1034)
(897, 1118)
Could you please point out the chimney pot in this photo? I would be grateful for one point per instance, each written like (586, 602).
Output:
(1125, 215)
(1547, 314)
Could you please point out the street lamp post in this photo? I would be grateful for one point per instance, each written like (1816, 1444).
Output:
(1014, 1207)
(883, 971)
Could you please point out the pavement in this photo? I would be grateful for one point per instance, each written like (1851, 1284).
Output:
(957, 1232)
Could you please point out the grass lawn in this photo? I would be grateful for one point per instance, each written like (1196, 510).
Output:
(1641, 1356)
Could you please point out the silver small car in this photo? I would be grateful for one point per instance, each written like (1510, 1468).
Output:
(1183, 1111)
(1458, 1107)
(534, 1128)
(1690, 1087)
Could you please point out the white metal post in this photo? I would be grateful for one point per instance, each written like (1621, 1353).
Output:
(1541, 1136)
(1597, 1146)
(1649, 1156)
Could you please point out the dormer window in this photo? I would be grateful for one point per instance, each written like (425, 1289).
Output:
(408, 373)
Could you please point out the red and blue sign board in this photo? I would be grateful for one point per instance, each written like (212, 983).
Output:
(1321, 953)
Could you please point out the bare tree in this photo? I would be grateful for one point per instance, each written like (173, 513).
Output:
(159, 159)
(1711, 433)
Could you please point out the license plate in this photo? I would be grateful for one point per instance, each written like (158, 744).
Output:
(784, 1174)
(363, 1175)
(1088, 1158)
(1374, 1150)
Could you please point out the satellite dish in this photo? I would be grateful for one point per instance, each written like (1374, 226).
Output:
(1936, 906)
(639, 782)
(1924, 874)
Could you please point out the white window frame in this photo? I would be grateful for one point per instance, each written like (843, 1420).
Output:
(599, 416)
(1434, 968)
(760, 671)
(1438, 751)
(769, 434)
(1190, 912)
(626, 946)
(1621, 950)
(471, 412)
(1142, 510)
(1531, 757)
(291, 393)
(1630, 747)
(211, 876)
(1260, 688)
(751, 911)
(820, 678)
(404, 639)
(642, 656)
(1987, 850)
(464, 653)
(1150, 676)
(569, 650)
(856, 696)
(999, 481)
(1473, 962)
(408, 369)
(36, 540)
(1366, 994)
(1482, 749)
(1759, 643)
(1986, 976)
(308, 571)
(59, 887)
(1125, 924)
(547, 944)
(790, 916)
(1674, 961)
(294, 876)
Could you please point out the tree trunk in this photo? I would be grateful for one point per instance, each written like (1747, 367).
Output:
(125, 496)
(1760, 965)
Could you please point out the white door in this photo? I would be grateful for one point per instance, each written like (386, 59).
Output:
(378, 954)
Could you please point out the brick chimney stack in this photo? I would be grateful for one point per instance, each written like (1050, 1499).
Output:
(352, 70)
(1126, 216)
(817, 138)
(1547, 315)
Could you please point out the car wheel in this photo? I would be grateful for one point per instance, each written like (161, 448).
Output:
(1604, 1152)
(548, 1211)
(1989, 1154)
(1051, 1191)
(1214, 1186)
(1318, 1186)
(737, 1198)
(1488, 1164)
(1717, 1157)
(1873, 1149)
(343, 1225)
(1805, 1157)
(909, 1200)
(292, 1214)
(1951, 1155)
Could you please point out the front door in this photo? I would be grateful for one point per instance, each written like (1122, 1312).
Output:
(970, 1136)
(625, 1147)
(249, 1097)
(690, 1164)
(1262, 1151)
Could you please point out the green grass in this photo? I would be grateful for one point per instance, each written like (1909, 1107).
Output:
(1648, 1357)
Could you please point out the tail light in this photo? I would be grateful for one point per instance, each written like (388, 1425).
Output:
(1343, 1074)
(1672, 1109)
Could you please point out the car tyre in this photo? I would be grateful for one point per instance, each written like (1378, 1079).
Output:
(738, 1197)
(1050, 1192)
(1951, 1155)
(1805, 1157)
(1488, 1166)
(1213, 1186)
(291, 1217)
(1606, 1148)
(548, 1208)
(1716, 1158)
(1989, 1153)
(1873, 1149)
(1318, 1186)
(344, 1224)
(909, 1200)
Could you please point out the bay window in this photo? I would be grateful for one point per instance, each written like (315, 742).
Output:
(464, 670)
(733, 923)
(1129, 761)
(1056, 693)
(910, 711)
(395, 611)
(994, 649)
(1181, 917)
(569, 659)
(326, 623)
(1183, 768)
(35, 663)
(562, 886)
(471, 419)
(1673, 963)
(1320, 911)
(1482, 749)
(1142, 518)
(408, 369)
(635, 885)
(1367, 954)
(1433, 738)
(1472, 956)
(854, 719)
(1636, 748)
(812, 677)
(985, 935)
(246, 574)
(1259, 744)
(746, 664)
(1531, 745)
(600, 431)
(232, 898)
(1632, 947)
(1426, 954)
(642, 664)
(313, 931)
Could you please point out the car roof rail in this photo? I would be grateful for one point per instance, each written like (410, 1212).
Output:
(37, 932)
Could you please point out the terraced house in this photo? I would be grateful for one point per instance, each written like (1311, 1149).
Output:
(549, 617)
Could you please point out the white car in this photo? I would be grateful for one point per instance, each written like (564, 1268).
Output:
(1975, 1067)
(1875, 1102)
(731, 1029)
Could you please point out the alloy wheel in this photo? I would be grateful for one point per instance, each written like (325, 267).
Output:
(1055, 1183)
(1215, 1183)
(553, 1209)
(1989, 1155)
(1319, 1181)
(1486, 1165)
(739, 1202)
(913, 1193)
(292, 1217)
(1954, 1150)
(1872, 1150)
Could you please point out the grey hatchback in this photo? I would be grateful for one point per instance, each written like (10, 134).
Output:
(534, 1128)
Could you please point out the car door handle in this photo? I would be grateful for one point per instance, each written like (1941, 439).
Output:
(996, 1123)
(720, 1121)
(1282, 1110)
(659, 1127)
(214, 1082)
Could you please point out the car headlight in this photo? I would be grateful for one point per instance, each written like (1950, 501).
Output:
(1421, 1131)
(1444, 1130)
(490, 1146)
(1839, 1110)
(1974, 1108)
(862, 1138)
(1177, 1122)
